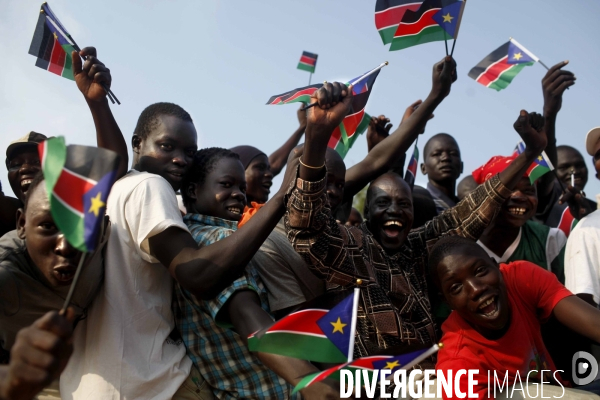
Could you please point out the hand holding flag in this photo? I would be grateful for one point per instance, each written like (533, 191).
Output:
(92, 76)
(444, 75)
(554, 84)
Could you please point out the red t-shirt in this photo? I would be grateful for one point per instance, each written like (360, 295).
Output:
(533, 293)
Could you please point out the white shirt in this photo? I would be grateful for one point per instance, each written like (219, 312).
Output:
(582, 257)
(123, 350)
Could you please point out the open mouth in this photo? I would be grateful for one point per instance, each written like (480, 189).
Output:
(489, 308)
(235, 210)
(177, 175)
(392, 228)
(25, 183)
(64, 274)
(517, 210)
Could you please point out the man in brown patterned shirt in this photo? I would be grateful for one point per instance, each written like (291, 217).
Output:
(382, 256)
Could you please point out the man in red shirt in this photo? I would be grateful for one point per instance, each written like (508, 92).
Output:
(495, 326)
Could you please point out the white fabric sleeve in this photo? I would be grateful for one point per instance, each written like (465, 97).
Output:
(554, 244)
(582, 262)
(150, 209)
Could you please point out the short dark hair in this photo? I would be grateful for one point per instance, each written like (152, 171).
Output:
(204, 163)
(370, 190)
(37, 179)
(148, 119)
(444, 247)
(434, 137)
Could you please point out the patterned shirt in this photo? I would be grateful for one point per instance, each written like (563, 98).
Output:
(220, 353)
(394, 314)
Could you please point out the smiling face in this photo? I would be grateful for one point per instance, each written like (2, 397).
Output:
(259, 179)
(22, 167)
(442, 162)
(168, 150)
(336, 178)
(47, 247)
(570, 161)
(390, 211)
(520, 207)
(472, 284)
(222, 194)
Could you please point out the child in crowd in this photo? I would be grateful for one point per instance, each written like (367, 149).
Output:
(495, 325)
(215, 331)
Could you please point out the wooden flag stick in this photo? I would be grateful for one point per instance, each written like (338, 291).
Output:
(309, 78)
(446, 43)
(73, 284)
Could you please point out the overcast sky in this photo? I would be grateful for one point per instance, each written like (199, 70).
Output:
(222, 60)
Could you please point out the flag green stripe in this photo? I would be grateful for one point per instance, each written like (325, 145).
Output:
(537, 172)
(304, 347)
(342, 148)
(54, 161)
(304, 99)
(430, 34)
(306, 67)
(505, 78)
(69, 223)
(387, 34)
(68, 67)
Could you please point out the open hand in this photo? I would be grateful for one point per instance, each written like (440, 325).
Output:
(531, 129)
(334, 102)
(40, 353)
(90, 74)
(554, 84)
(379, 129)
(444, 75)
(575, 198)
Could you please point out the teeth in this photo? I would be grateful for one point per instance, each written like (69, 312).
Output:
(234, 210)
(390, 223)
(517, 210)
(487, 303)
(26, 182)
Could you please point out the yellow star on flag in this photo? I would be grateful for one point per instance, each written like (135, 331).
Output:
(97, 204)
(338, 326)
(517, 56)
(540, 158)
(392, 365)
(448, 18)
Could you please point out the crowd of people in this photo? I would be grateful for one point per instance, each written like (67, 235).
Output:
(197, 253)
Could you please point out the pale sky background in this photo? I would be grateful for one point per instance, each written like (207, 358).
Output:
(222, 60)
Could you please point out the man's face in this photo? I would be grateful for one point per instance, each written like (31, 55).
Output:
(22, 167)
(569, 162)
(259, 179)
(390, 211)
(473, 286)
(336, 178)
(168, 150)
(596, 160)
(46, 245)
(222, 194)
(520, 207)
(442, 160)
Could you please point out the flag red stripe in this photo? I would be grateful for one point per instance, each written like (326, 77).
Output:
(493, 71)
(416, 27)
(308, 60)
(351, 122)
(566, 221)
(70, 188)
(299, 93)
(393, 16)
(57, 59)
(336, 138)
(304, 321)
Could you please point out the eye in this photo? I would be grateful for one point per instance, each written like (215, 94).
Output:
(455, 288)
(190, 153)
(340, 186)
(226, 184)
(47, 226)
(480, 271)
(166, 147)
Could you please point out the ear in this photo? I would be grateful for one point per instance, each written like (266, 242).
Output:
(190, 190)
(136, 143)
(462, 166)
(21, 223)
(423, 169)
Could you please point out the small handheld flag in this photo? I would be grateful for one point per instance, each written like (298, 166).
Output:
(411, 171)
(371, 364)
(52, 45)
(308, 62)
(567, 221)
(314, 334)
(539, 167)
(418, 27)
(389, 13)
(500, 67)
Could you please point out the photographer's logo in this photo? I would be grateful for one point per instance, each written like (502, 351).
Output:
(584, 367)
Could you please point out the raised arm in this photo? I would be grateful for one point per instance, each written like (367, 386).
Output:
(579, 316)
(554, 84)
(279, 157)
(89, 75)
(385, 154)
(206, 271)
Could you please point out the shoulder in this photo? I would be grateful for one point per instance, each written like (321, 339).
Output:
(518, 273)
(138, 181)
(11, 245)
(592, 220)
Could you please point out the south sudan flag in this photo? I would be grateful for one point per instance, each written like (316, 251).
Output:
(499, 68)
(389, 13)
(418, 27)
(78, 180)
(52, 44)
(411, 171)
(308, 62)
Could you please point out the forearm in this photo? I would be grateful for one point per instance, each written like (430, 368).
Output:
(579, 316)
(206, 271)
(546, 183)
(517, 168)
(292, 370)
(279, 157)
(108, 133)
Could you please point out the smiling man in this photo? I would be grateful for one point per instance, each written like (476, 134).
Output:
(383, 256)
(442, 165)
